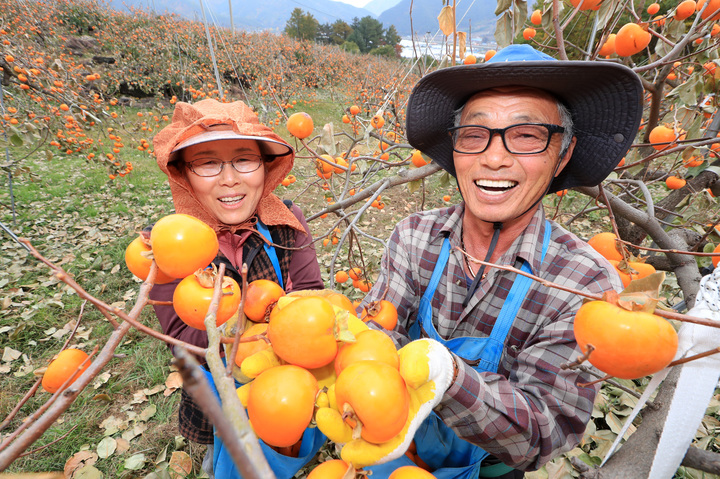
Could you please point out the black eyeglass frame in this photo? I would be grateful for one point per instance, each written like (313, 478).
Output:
(222, 165)
(552, 129)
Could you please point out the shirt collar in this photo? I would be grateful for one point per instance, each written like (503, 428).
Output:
(528, 246)
(452, 226)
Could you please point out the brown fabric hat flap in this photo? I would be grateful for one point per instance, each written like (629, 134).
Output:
(192, 119)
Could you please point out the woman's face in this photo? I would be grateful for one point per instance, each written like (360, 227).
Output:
(230, 196)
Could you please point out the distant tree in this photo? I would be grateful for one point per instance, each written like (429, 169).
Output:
(340, 32)
(350, 47)
(368, 33)
(324, 34)
(302, 26)
(391, 36)
(385, 51)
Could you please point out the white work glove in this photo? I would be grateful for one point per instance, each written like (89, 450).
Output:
(697, 381)
(428, 369)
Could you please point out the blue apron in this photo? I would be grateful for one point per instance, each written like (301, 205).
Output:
(448, 456)
(284, 467)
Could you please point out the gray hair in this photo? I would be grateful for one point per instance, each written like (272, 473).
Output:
(566, 122)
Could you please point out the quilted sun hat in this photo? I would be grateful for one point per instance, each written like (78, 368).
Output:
(604, 99)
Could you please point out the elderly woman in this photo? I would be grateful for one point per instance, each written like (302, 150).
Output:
(223, 167)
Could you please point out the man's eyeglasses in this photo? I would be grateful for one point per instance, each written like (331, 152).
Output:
(212, 166)
(520, 139)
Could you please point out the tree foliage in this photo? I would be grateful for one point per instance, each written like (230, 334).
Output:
(368, 33)
(302, 26)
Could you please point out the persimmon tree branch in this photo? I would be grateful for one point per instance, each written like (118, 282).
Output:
(403, 176)
(231, 421)
(685, 267)
(585, 294)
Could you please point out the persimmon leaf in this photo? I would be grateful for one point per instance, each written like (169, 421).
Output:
(446, 19)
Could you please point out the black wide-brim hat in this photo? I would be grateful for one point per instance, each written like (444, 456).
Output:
(604, 99)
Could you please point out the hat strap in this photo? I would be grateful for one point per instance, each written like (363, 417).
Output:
(497, 226)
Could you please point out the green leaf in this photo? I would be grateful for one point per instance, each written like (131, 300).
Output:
(16, 140)
(445, 179)
(414, 185)
(605, 13)
(673, 30)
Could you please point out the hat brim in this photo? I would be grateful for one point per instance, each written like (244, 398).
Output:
(604, 99)
(268, 146)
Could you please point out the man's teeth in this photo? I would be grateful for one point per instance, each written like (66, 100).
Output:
(229, 200)
(495, 187)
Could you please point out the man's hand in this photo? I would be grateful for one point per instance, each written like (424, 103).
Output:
(428, 369)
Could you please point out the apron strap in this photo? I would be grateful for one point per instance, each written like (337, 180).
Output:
(425, 308)
(270, 250)
(514, 301)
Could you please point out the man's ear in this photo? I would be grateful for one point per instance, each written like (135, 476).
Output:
(566, 158)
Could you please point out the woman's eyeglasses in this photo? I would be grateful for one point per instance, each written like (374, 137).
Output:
(212, 166)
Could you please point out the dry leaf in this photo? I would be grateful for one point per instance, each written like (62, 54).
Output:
(79, 460)
(88, 472)
(461, 36)
(10, 354)
(154, 390)
(174, 380)
(101, 379)
(139, 397)
(122, 446)
(180, 464)
(135, 462)
(447, 20)
(147, 413)
(106, 447)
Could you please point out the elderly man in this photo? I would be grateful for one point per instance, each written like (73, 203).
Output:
(510, 131)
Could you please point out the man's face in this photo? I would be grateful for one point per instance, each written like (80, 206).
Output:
(499, 186)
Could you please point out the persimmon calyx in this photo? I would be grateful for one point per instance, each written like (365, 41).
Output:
(349, 413)
(641, 295)
(147, 255)
(373, 308)
(206, 278)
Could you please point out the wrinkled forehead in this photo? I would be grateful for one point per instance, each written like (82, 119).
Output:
(525, 102)
(515, 90)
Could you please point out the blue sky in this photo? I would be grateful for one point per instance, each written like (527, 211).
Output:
(355, 3)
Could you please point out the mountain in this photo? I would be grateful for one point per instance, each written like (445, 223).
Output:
(477, 17)
(259, 15)
(376, 7)
(274, 14)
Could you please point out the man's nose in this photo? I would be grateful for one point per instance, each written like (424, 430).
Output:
(496, 155)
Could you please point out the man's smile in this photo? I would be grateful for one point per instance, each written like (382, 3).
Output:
(495, 186)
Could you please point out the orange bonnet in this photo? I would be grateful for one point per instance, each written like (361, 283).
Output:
(209, 120)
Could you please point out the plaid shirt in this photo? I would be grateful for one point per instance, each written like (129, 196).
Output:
(531, 410)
